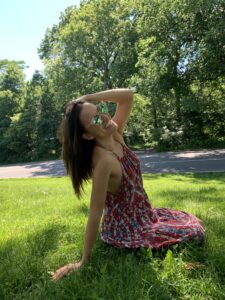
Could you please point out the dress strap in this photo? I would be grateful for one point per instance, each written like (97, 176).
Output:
(119, 142)
(122, 150)
(117, 156)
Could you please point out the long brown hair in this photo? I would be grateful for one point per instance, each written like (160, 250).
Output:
(76, 151)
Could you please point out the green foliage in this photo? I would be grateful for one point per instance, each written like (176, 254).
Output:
(92, 48)
(31, 133)
(177, 70)
(11, 98)
(138, 126)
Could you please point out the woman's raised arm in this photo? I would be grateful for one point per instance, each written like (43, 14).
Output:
(122, 97)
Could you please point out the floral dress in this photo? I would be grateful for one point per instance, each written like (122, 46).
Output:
(130, 221)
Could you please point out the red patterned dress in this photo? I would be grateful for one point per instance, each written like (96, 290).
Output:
(130, 221)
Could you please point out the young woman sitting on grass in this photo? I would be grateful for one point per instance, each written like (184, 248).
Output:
(93, 147)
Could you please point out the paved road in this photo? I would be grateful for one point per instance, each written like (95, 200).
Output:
(151, 162)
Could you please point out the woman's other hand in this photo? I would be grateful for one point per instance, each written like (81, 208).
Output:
(66, 270)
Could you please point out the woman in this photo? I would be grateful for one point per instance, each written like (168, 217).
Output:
(93, 147)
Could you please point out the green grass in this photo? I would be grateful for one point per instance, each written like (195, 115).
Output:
(42, 226)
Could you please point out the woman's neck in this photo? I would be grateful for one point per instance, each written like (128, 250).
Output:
(107, 143)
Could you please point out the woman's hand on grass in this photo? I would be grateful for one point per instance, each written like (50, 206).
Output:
(194, 265)
(66, 270)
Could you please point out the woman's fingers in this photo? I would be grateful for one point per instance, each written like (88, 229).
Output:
(61, 272)
(194, 265)
(64, 271)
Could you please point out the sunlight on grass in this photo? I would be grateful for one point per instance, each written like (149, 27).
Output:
(42, 227)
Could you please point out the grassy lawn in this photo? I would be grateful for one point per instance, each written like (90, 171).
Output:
(42, 226)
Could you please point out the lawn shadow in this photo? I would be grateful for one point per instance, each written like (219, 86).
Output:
(110, 273)
(207, 178)
(215, 227)
(83, 208)
(188, 177)
(22, 261)
(211, 258)
(113, 273)
(206, 194)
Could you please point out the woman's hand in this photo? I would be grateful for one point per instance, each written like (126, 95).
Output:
(66, 270)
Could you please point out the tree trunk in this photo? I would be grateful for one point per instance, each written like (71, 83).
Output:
(106, 74)
(177, 103)
(177, 88)
(155, 117)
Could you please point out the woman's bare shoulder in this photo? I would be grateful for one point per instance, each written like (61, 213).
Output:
(100, 155)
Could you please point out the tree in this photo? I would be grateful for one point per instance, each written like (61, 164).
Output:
(11, 90)
(92, 48)
(33, 134)
(11, 97)
(178, 54)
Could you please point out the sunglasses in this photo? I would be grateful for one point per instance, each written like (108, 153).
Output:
(102, 108)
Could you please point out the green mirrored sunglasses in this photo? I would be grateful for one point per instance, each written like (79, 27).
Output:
(102, 108)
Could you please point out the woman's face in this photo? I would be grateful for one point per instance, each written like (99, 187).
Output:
(88, 115)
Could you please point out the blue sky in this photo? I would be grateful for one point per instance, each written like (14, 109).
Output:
(22, 27)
